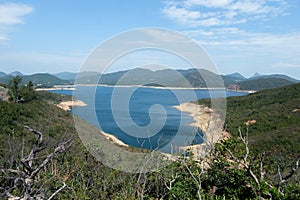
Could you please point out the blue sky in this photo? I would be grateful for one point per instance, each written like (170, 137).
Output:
(245, 36)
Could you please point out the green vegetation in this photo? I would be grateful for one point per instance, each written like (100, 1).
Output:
(273, 118)
(18, 93)
(14, 89)
(277, 127)
(233, 79)
(138, 76)
(52, 98)
(258, 81)
(264, 83)
(237, 169)
(39, 80)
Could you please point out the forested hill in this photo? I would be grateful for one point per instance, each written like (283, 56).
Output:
(71, 172)
(273, 118)
(264, 83)
(85, 177)
(167, 77)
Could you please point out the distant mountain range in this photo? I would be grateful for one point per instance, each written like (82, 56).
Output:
(167, 77)
(2, 74)
(233, 79)
(39, 79)
(66, 75)
(16, 73)
(257, 81)
(279, 76)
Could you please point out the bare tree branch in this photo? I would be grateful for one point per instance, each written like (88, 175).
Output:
(39, 134)
(57, 191)
(61, 148)
(27, 176)
(169, 187)
(287, 177)
(262, 172)
(198, 182)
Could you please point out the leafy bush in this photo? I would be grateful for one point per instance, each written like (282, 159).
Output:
(222, 177)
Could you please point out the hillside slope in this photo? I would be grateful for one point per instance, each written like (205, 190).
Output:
(85, 177)
(233, 79)
(262, 83)
(75, 174)
(40, 79)
(275, 116)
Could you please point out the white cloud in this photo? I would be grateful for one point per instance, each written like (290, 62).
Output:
(11, 14)
(183, 15)
(249, 7)
(227, 29)
(3, 37)
(259, 52)
(207, 3)
(221, 12)
(284, 45)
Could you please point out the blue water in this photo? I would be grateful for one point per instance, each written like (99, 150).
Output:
(143, 117)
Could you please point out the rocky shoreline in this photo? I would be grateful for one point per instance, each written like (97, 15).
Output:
(209, 123)
(67, 105)
(204, 118)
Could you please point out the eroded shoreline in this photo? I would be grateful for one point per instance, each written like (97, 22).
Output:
(67, 105)
(208, 122)
(204, 117)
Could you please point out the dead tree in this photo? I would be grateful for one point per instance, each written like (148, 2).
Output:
(25, 176)
(247, 162)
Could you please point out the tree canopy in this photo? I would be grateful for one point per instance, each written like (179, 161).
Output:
(20, 93)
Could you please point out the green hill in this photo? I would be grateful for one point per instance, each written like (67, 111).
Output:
(76, 174)
(233, 79)
(85, 177)
(264, 83)
(280, 76)
(66, 75)
(277, 120)
(5, 79)
(40, 79)
(185, 78)
(2, 74)
(168, 77)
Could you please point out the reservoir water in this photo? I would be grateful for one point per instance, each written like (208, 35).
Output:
(147, 118)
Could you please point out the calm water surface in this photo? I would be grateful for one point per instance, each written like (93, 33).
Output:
(146, 119)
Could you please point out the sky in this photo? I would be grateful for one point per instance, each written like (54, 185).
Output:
(245, 36)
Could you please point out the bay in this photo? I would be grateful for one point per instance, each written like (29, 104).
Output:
(143, 117)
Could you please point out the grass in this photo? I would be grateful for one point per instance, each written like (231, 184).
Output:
(277, 127)
(87, 178)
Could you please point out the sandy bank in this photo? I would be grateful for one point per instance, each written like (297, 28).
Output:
(114, 139)
(208, 122)
(67, 105)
